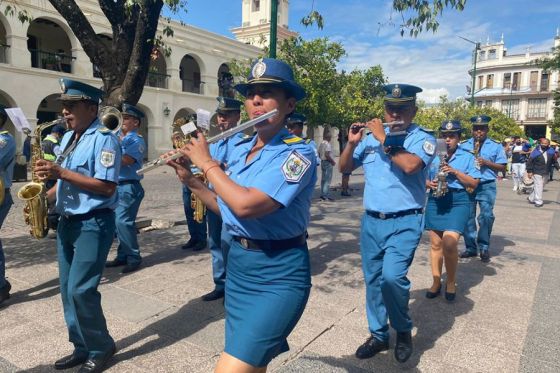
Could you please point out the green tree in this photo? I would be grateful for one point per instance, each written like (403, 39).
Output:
(501, 126)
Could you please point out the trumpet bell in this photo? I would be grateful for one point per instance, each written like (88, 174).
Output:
(111, 117)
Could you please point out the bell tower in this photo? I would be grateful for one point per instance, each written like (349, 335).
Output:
(255, 27)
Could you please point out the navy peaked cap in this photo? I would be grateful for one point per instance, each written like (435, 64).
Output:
(401, 93)
(72, 90)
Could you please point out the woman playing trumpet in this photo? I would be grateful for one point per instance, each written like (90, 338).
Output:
(263, 197)
(446, 216)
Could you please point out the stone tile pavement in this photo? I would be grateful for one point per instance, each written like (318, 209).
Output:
(506, 317)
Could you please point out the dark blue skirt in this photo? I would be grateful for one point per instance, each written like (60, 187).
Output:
(449, 212)
(266, 293)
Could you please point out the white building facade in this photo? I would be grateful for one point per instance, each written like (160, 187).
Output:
(33, 56)
(516, 87)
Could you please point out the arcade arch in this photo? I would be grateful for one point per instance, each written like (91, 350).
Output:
(49, 46)
(190, 75)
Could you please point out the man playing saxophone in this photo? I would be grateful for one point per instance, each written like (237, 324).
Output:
(228, 114)
(490, 159)
(7, 162)
(85, 193)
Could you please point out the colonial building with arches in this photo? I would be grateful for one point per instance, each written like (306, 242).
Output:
(34, 55)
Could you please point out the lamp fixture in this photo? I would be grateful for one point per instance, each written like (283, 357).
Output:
(166, 110)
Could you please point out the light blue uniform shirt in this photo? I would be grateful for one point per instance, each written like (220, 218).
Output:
(97, 155)
(222, 149)
(490, 150)
(461, 160)
(134, 146)
(388, 189)
(287, 173)
(7, 157)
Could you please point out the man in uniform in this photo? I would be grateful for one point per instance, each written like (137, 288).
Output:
(87, 174)
(197, 230)
(130, 190)
(7, 162)
(228, 115)
(491, 159)
(295, 123)
(394, 161)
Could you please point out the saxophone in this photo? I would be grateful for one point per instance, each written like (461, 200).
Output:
(179, 140)
(441, 178)
(34, 193)
(476, 151)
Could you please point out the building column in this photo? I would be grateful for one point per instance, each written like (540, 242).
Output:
(174, 82)
(82, 65)
(210, 86)
(18, 54)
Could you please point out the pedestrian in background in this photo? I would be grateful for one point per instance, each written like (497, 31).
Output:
(327, 165)
(540, 161)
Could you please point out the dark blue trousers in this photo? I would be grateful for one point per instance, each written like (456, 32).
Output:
(4, 209)
(130, 198)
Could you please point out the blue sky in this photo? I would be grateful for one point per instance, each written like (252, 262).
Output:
(436, 62)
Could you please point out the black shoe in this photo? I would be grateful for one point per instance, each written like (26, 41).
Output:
(5, 292)
(450, 297)
(345, 194)
(213, 295)
(200, 245)
(371, 347)
(403, 348)
(115, 263)
(97, 364)
(130, 268)
(70, 361)
(432, 295)
(467, 254)
(484, 256)
(189, 245)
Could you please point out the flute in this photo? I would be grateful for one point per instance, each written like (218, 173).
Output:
(232, 131)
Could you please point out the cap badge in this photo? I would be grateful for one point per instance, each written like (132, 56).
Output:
(62, 86)
(479, 120)
(259, 69)
(449, 126)
(396, 92)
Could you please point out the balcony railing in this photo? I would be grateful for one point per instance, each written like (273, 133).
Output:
(4, 53)
(51, 61)
(157, 80)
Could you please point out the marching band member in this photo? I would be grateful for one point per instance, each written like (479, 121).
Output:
(395, 192)
(228, 115)
(490, 159)
(264, 198)
(85, 196)
(446, 216)
(129, 190)
(7, 162)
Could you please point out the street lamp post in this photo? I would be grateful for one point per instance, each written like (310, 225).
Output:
(476, 49)
(273, 28)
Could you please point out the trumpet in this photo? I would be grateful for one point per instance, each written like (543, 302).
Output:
(355, 128)
(163, 160)
(111, 117)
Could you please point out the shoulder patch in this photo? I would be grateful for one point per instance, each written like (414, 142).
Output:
(429, 148)
(3, 142)
(107, 158)
(294, 167)
(292, 140)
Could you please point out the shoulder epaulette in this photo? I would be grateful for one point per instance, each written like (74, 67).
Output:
(464, 141)
(103, 129)
(291, 140)
(308, 141)
(244, 139)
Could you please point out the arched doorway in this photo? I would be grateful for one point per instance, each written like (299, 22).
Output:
(157, 73)
(225, 81)
(49, 46)
(189, 73)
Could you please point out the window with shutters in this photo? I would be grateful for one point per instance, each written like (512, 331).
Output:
(536, 108)
(507, 81)
(490, 81)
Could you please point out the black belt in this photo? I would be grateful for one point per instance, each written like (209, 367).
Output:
(487, 182)
(88, 215)
(455, 190)
(271, 244)
(124, 182)
(392, 215)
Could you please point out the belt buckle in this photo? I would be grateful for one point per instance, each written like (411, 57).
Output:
(382, 216)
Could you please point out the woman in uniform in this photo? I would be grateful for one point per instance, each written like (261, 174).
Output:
(263, 196)
(446, 216)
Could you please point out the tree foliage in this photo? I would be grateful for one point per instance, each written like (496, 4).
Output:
(500, 127)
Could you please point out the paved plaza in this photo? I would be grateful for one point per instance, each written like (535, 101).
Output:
(506, 317)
